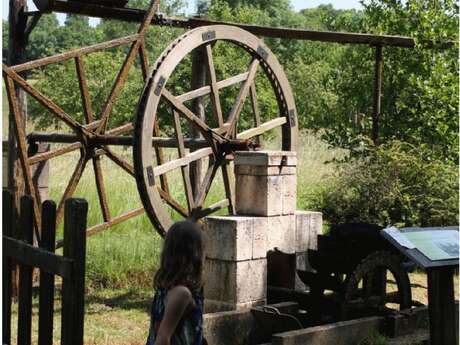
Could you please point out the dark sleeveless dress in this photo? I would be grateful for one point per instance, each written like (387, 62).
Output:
(189, 331)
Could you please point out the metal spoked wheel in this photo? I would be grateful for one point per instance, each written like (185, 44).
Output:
(221, 130)
(365, 290)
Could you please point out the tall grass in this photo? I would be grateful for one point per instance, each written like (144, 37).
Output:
(127, 254)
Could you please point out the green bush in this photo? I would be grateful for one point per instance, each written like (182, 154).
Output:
(393, 184)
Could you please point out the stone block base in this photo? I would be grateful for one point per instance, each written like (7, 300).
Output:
(212, 306)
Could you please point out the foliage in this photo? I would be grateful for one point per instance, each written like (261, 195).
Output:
(420, 86)
(394, 184)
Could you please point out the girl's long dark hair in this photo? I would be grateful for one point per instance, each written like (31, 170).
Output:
(181, 258)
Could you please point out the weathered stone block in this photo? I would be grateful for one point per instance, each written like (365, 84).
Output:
(308, 227)
(235, 238)
(265, 183)
(229, 238)
(289, 190)
(262, 170)
(266, 157)
(281, 233)
(235, 281)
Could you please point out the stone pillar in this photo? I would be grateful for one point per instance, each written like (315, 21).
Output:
(245, 250)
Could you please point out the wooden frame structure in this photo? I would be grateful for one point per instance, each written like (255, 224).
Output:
(94, 134)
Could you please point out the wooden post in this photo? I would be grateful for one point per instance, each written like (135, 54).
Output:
(198, 80)
(441, 305)
(25, 275)
(7, 222)
(16, 54)
(377, 94)
(73, 290)
(46, 293)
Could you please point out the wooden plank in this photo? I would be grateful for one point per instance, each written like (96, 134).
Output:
(83, 85)
(54, 153)
(265, 127)
(7, 224)
(29, 255)
(136, 15)
(239, 102)
(74, 53)
(185, 168)
(177, 163)
(118, 160)
(73, 290)
(46, 292)
(206, 90)
(25, 274)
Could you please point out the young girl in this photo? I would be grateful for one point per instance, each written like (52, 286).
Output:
(177, 308)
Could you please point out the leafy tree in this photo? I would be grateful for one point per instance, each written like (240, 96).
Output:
(5, 31)
(43, 40)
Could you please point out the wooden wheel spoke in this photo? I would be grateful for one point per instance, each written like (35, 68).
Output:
(101, 188)
(173, 203)
(127, 64)
(201, 213)
(23, 159)
(215, 100)
(87, 108)
(186, 160)
(55, 153)
(207, 132)
(185, 168)
(206, 184)
(265, 127)
(228, 188)
(255, 110)
(242, 95)
(43, 100)
(206, 90)
(70, 189)
(118, 160)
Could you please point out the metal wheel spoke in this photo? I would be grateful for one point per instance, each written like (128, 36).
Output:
(73, 182)
(101, 188)
(215, 100)
(242, 95)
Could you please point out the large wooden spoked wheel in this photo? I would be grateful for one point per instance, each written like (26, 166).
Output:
(220, 130)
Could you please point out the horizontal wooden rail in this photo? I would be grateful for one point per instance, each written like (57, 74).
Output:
(137, 15)
(74, 53)
(29, 255)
